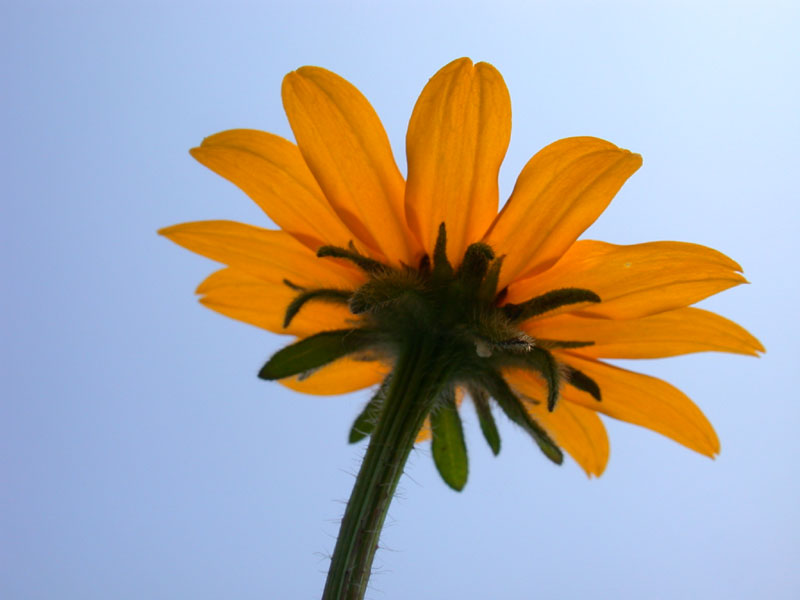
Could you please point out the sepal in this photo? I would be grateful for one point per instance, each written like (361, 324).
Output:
(512, 406)
(488, 426)
(442, 269)
(369, 265)
(366, 421)
(547, 302)
(316, 351)
(475, 264)
(580, 380)
(325, 295)
(448, 447)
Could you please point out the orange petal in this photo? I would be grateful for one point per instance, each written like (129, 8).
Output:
(257, 302)
(645, 401)
(272, 172)
(457, 138)
(347, 150)
(680, 331)
(340, 377)
(560, 192)
(635, 281)
(633, 398)
(579, 431)
(269, 255)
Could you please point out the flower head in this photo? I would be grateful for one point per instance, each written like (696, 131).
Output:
(519, 311)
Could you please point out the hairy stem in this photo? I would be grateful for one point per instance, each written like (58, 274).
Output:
(418, 378)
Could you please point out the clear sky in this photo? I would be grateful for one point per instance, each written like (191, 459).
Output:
(141, 458)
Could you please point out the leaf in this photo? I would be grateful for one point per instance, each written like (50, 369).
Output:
(448, 447)
(315, 351)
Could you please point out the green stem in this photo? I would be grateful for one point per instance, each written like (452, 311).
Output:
(418, 377)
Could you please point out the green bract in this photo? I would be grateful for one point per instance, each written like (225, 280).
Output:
(459, 312)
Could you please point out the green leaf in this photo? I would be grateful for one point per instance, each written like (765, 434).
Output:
(448, 447)
(512, 406)
(366, 421)
(326, 295)
(488, 426)
(315, 351)
(547, 302)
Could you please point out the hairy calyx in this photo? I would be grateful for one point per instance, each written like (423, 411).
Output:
(458, 312)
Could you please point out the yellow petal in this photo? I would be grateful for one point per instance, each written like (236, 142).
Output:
(347, 150)
(633, 398)
(269, 255)
(645, 401)
(579, 431)
(560, 192)
(680, 331)
(340, 377)
(457, 138)
(272, 172)
(257, 302)
(635, 281)
(425, 433)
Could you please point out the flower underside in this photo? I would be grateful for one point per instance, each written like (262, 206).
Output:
(457, 311)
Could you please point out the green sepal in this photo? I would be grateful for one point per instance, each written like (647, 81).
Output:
(475, 264)
(424, 265)
(488, 290)
(315, 351)
(512, 406)
(580, 380)
(366, 421)
(326, 295)
(442, 269)
(368, 265)
(488, 426)
(544, 363)
(294, 286)
(448, 447)
(379, 291)
(547, 302)
(564, 344)
(548, 367)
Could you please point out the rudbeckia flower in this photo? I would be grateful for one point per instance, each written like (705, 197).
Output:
(381, 278)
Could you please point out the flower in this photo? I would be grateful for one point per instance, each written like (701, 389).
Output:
(526, 310)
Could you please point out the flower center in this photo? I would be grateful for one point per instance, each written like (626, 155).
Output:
(459, 311)
(454, 324)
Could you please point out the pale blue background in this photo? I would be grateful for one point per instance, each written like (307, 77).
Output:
(142, 458)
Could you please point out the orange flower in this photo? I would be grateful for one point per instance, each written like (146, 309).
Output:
(364, 258)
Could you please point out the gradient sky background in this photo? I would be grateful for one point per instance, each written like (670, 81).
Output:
(143, 459)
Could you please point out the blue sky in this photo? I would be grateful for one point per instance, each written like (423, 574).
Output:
(141, 457)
